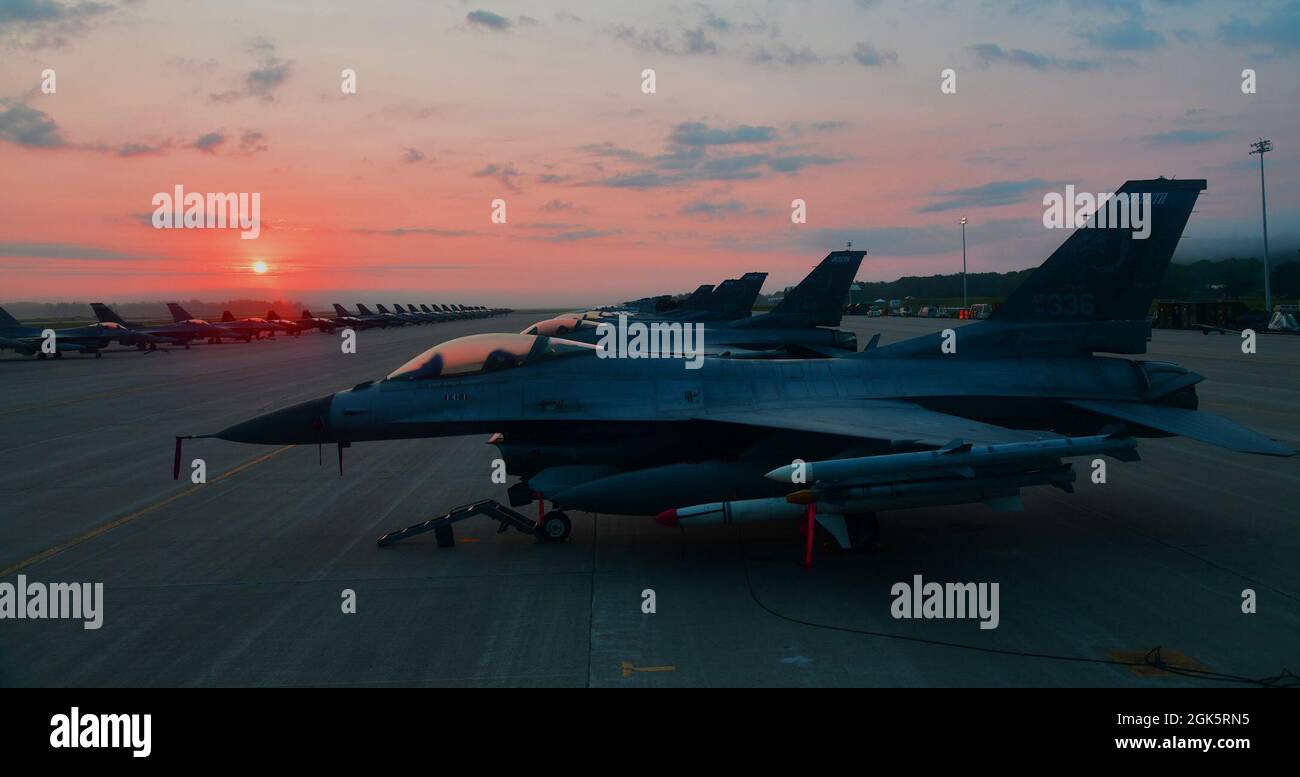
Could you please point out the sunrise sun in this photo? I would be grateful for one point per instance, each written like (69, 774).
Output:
(259, 267)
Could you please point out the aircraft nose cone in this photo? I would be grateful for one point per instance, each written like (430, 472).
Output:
(302, 424)
(667, 518)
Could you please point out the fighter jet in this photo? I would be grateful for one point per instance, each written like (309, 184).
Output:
(437, 316)
(405, 318)
(358, 321)
(972, 415)
(227, 328)
(382, 318)
(178, 332)
(249, 325)
(28, 340)
(294, 328)
(327, 325)
(796, 327)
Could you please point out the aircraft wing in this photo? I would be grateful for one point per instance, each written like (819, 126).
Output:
(1196, 424)
(876, 419)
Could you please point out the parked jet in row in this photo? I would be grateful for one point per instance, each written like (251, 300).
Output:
(175, 333)
(796, 327)
(645, 437)
(29, 340)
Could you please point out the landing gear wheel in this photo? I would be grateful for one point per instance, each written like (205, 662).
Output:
(445, 537)
(555, 527)
(864, 530)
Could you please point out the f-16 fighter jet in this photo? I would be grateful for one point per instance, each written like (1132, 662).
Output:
(177, 332)
(796, 327)
(30, 340)
(968, 415)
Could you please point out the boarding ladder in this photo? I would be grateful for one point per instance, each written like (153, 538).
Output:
(441, 526)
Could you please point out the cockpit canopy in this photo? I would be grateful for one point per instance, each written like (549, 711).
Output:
(558, 326)
(477, 354)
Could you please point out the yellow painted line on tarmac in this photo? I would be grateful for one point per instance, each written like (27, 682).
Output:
(98, 530)
(628, 668)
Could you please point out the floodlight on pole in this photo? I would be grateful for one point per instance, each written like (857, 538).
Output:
(1262, 147)
(963, 262)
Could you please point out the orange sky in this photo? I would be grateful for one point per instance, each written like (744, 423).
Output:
(611, 193)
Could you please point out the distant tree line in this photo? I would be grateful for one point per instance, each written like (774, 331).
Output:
(1233, 278)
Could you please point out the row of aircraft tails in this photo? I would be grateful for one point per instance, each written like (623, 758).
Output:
(185, 329)
(771, 428)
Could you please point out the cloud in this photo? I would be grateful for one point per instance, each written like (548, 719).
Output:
(1277, 33)
(209, 142)
(252, 141)
(137, 149)
(486, 20)
(796, 162)
(269, 73)
(694, 133)
(1183, 137)
(404, 231)
(576, 235)
(413, 155)
(696, 151)
(684, 42)
(28, 126)
(985, 195)
(608, 149)
(38, 24)
(1124, 36)
(556, 205)
(60, 251)
(782, 54)
(988, 54)
(868, 56)
(504, 173)
(713, 210)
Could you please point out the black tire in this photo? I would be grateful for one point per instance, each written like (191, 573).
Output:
(864, 530)
(555, 527)
(445, 536)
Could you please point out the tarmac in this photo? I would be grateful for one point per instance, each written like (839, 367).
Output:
(241, 581)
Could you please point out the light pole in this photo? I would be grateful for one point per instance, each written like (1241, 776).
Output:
(963, 262)
(1262, 147)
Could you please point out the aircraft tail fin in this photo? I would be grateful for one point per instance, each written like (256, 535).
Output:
(307, 313)
(697, 298)
(227, 316)
(7, 320)
(1109, 268)
(734, 297)
(363, 310)
(340, 311)
(271, 315)
(818, 300)
(178, 313)
(105, 315)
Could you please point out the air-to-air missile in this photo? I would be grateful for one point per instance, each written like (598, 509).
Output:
(954, 460)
